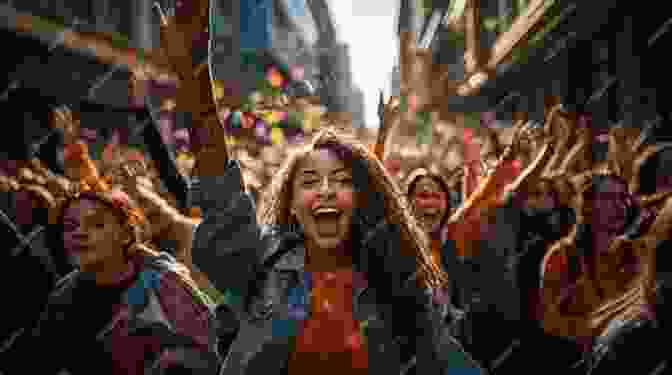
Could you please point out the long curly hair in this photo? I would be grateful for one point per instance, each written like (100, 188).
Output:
(382, 199)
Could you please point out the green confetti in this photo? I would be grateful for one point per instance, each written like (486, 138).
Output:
(266, 89)
(275, 92)
(472, 120)
(42, 25)
(96, 151)
(231, 298)
(137, 146)
(140, 55)
(423, 128)
(119, 41)
(236, 119)
(214, 295)
(248, 57)
(295, 119)
(403, 104)
(218, 25)
(247, 106)
(283, 69)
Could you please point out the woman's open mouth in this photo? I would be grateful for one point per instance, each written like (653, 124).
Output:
(327, 221)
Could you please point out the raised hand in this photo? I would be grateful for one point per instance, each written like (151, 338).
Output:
(8, 184)
(389, 119)
(62, 118)
(164, 218)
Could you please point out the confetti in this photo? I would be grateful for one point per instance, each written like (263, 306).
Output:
(423, 128)
(277, 136)
(236, 119)
(275, 78)
(247, 121)
(217, 90)
(297, 73)
(219, 26)
(274, 117)
(413, 102)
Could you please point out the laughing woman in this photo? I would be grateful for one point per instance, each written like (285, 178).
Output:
(341, 279)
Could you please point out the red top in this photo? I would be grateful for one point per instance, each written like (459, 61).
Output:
(330, 342)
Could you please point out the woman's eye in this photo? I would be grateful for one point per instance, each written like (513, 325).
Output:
(309, 183)
(345, 180)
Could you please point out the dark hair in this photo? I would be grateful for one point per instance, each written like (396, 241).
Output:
(632, 209)
(442, 185)
(657, 164)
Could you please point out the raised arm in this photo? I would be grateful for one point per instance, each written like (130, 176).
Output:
(195, 95)
(389, 115)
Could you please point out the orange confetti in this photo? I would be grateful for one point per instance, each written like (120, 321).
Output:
(247, 122)
(275, 78)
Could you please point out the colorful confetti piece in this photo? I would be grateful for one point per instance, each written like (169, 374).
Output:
(424, 128)
(275, 78)
(297, 73)
(217, 90)
(277, 136)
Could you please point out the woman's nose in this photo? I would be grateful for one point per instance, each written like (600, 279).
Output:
(326, 187)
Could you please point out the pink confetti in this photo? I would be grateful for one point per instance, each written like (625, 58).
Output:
(297, 73)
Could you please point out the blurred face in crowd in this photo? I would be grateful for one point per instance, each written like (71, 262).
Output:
(93, 235)
(607, 205)
(430, 203)
(323, 199)
(540, 197)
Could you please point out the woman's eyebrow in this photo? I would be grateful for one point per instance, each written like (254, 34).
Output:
(308, 172)
(340, 170)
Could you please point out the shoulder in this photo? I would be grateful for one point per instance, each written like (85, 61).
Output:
(172, 283)
(64, 286)
(277, 242)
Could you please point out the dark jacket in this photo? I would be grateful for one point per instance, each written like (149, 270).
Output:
(150, 324)
(496, 288)
(260, 269)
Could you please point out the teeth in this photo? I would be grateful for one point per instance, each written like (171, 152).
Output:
(326, 211)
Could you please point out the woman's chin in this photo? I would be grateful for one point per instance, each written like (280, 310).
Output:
(329, 243)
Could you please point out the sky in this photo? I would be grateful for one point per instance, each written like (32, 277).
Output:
(368, 27)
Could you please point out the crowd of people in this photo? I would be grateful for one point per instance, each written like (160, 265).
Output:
(341, 253)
